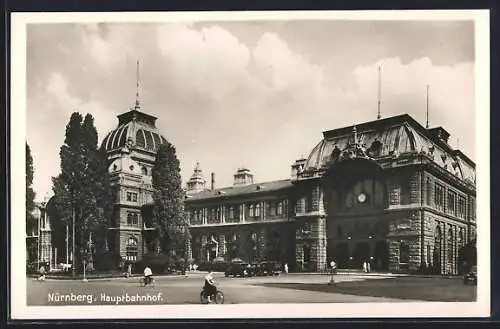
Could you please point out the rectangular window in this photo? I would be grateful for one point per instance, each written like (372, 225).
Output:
(461, 211)
(451, 203)
(473, 209)
(439, 197)
(404, 192)
(309, 203)
(272, 210)
(279, 210)
(131, 197)
(132, 219)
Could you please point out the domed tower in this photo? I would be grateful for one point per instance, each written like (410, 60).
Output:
(197, 182)
(131, 150)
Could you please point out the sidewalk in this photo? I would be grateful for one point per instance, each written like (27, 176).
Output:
(384, 274)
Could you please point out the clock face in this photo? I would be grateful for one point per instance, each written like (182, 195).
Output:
(362, 198)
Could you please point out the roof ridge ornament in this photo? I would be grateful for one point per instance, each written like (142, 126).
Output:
(354, 149)
(137, 103)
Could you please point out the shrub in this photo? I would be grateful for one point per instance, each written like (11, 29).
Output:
(157, 262)
(107, 261)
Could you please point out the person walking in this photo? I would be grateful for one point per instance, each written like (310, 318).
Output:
(285, 267)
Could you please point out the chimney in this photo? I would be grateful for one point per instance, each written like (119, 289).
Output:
(212, 184)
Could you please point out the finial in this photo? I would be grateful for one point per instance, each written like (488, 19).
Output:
(379, 94)
(137, 103)
(427, 107)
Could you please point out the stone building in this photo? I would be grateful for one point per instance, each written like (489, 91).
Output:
(131, 151)
(39, 237)
(389, 192)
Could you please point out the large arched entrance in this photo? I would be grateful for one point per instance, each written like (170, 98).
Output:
(361, 254)
(356, 197)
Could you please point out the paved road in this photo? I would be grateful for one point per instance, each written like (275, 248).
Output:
(185, 290)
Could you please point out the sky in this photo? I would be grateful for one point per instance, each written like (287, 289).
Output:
(254, 94)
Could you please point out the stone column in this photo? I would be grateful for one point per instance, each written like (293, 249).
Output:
(261, 244)
(243, 212)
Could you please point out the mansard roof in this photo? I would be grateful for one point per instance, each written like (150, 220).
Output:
(233, 191)
(395, 136)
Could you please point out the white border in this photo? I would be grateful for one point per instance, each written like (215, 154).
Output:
(19, 309)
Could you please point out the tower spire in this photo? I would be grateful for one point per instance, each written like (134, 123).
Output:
(379, 94)
(137, 103)
(427, 107)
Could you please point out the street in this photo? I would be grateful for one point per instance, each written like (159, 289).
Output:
(283, 289)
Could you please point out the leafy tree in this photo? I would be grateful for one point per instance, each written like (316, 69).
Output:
(168, 196)
(30, 194)
(82, 188)
(30, 204)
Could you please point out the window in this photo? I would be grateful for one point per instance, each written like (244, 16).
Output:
(439, 197)
(451, 203)
(131, 197)
(473, 209)
(144, 171)
(428, 192)
(309, 203)
(132, 219)
(272, 210)
(257, 210)
(461, 210)
(405, 191)
(251, 211)
(450, 246)
(280, 209)
(132, 250)
(231, 213)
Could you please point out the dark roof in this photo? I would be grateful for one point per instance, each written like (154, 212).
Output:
(231, 191)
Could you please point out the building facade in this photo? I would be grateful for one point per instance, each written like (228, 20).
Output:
(389, 192)
(131, 151)
(39, 237)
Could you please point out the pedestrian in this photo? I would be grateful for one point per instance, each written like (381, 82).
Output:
(333, 266)
(285, 267)
(42, 273)
(368, 267)
(365, 267)
(129, 270)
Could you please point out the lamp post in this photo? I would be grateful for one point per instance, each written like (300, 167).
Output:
(38, 244)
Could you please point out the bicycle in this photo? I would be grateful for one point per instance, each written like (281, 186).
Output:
(216, 298)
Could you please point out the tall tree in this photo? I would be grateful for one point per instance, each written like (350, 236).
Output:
(82, 188)
(30, 194)
(30, 203)
(168, 196)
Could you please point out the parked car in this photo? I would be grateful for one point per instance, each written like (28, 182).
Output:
(269, 268)
(471, 276)
(237, 269)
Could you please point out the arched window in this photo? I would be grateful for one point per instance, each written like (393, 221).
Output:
(144, 170)
(132, 250)
(404, 253)
(251, 211)
(231, 212)
(257, 210)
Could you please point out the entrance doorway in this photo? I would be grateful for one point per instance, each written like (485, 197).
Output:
(361, 254)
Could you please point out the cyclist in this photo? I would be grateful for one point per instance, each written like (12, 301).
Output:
(148, 275)
(210, 288)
